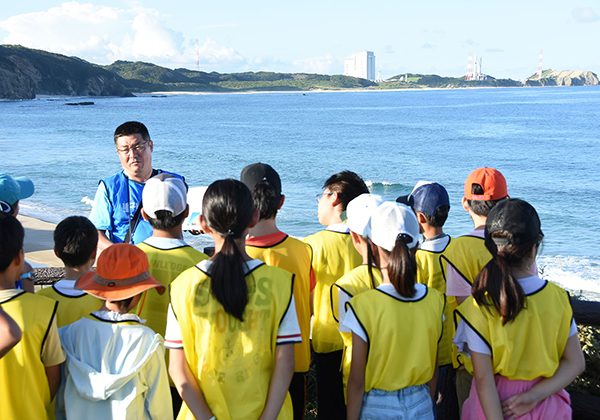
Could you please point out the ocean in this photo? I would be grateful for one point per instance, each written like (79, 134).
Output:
(544, 140)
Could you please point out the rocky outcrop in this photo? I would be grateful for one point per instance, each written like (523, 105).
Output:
(564, 78)
(25, 73)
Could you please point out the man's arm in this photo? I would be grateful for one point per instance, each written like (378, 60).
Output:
(101, 216)
(103, 241)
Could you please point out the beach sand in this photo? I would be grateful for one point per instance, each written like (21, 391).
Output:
(39, 242)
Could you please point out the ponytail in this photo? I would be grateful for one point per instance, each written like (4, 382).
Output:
(495, 285)
(370, 262)
(228, 208)
(402, 267)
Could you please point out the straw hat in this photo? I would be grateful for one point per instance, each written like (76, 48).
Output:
(123, 272)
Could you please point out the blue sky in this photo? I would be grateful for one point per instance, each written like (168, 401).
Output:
(432, 37)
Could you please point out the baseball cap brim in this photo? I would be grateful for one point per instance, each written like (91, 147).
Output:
(116, 292)
(27, 188)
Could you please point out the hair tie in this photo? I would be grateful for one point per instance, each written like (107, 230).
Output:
(404, 238)
(230, 233)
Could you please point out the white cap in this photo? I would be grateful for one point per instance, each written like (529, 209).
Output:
(359, 211)
(391, 220)
(164, 192)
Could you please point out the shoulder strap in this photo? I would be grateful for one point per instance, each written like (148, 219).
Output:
(133, 224)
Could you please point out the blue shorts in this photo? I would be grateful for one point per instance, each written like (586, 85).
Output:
(413, 402)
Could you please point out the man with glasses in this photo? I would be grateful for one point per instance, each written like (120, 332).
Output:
(118, 203)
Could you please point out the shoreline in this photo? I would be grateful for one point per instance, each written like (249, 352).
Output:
(39, 242)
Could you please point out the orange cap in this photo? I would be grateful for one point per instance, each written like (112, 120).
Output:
(123, 272)
(492, 182)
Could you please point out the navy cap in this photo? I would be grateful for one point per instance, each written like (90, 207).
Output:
(428, 198)
(257, 172)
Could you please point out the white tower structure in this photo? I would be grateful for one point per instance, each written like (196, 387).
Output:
(360, 64)
(538, 76)
(469, 75)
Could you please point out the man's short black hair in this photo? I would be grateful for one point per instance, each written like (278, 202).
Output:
(75, 240)
(164, 220)
(481, 207)
(11, 240)
(439, 218)
(348, 185)
(266, 199)
(130, 128)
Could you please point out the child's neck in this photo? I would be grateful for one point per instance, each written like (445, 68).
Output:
(431, 231)
(113, 307)
(264, 227)
(73, 273)
(174, 233)
(478, 221)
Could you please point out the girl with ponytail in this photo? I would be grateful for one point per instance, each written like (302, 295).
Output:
(395, 327)
(517, 330)
(232, 321)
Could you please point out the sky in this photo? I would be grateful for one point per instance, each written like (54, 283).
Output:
(314, 36)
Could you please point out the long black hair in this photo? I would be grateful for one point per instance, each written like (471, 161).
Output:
(402, 267)
(512, 229)
(228, 208)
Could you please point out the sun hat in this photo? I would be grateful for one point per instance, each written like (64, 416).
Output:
(15, 189)
(122, 272)
(518, 218)
(392, 220)
(164, 192)
(257, 172)
(492, 182)
(358, 213)
(426, 197)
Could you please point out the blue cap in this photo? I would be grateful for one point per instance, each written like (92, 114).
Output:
(15, 189)
(428, 198)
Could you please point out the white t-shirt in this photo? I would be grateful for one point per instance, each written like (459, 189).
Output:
(467, 340)
(289, 329)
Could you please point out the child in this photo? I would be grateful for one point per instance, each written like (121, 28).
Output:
(115, 366)
(164, 202)
(75, 241)
(467, 255)
(364, 277)
(12, 190)
(333, 256)
(233, 321)
(517, 328)
(431, 204)
(30, 372)
(267, 243)
(395, 328)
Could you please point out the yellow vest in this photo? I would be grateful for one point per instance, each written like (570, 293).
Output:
(352, 283)
(296, 257)
(71, 308)
(24, 390)
(431, 272)
(532, 344)
(165, 266)
(333, 256)
(403, 337)
(232, 360)
(467, 255)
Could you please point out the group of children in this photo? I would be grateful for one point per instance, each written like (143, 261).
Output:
(393, 316)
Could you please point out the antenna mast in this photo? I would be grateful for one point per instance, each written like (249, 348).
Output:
(197, 56)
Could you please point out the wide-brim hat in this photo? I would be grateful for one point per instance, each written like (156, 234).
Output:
(123, 272)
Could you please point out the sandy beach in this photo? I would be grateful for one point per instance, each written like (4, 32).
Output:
(39, 242)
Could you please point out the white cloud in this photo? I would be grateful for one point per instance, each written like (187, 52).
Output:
(102, 34)
(584, 14)
(327, 64)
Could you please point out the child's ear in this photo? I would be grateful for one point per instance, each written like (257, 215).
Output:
(56, 253)
(186, 211)
(281, 202)
(421, 218)
(255, 219)
(465, 204)
(204, 225)
(144, 215)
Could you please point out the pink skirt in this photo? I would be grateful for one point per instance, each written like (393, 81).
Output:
(556, 406)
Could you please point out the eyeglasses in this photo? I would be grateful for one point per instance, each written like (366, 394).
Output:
(136, 148)
(319, 196)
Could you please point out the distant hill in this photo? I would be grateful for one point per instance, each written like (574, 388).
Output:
(563, 78)
(25, 73)
(146, 77)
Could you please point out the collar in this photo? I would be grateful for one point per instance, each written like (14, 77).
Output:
(67, 288)
(266, 240)
(165, 243)
(339, 227)
(435, 238)
(204, 265)
(111, 316)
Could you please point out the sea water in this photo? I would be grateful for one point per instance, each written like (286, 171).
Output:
(544, 140)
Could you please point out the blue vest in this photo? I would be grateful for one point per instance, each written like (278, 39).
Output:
(125, 196)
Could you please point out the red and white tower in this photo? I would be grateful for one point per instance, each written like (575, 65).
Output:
(197, 56)
(538, 76)
(469, 75)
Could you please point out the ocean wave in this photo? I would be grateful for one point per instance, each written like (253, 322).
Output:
(88, 201)
(579, 274)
